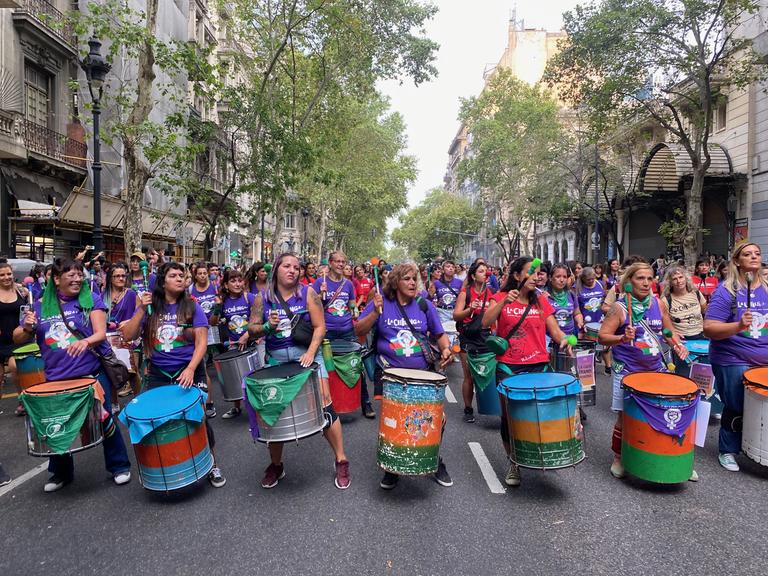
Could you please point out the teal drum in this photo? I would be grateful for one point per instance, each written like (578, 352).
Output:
(543, 417)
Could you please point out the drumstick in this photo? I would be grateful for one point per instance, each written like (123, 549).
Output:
(669, 334)
(375, 265)
(28, 281)
(143, 267)
(748, 276)
(535, 263)
(628, 295)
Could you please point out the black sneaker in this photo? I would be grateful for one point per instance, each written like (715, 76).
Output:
(469, 415)
(368, 411)
(210, 411)
(441, 476)
(389, 481)
(607, 370)
(56, 483)
(216, 478)
(5, 478)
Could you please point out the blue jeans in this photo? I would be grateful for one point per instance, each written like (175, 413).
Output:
(293, 353)
(730, 387)
(350, 337)
(115, 454)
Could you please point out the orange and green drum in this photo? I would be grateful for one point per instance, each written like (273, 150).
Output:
(659, 426)
(411, 424)
(30, 369)
(543, 418)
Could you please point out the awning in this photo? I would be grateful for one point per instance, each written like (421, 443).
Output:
(79, 208)
(668, 163)
(29, 209)
(32, 187)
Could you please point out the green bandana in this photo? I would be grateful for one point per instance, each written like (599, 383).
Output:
(560, 298)
(57, 418)
(349, 367)
(640, 307)
(50, 304)
(269, 397)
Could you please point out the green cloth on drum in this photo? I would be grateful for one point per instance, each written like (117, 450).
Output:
(482, 368)
(58, 417)
(349, 367)
(269, 397)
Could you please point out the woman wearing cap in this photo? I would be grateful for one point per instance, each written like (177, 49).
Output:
(398, 347)
(203, 291)
(636, 345)
(68, 308)
(518, 305)
(737, 324)
(270, 319)
(136, 280)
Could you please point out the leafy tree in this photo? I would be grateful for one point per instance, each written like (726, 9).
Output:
(438, 226)
(665, 59)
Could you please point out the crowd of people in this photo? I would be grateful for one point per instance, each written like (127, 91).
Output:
(173, 318)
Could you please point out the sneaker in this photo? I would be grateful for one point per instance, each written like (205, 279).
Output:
(694, 477)
(5, 478)
(513, 475)
(441, 476)
(469, 415)
(342, 480)
(389, 481)
(216, 478)
(55, 483)
(122, 477)
(233, 412)
(368, 411)
(728, 461)
(126, 390)
(607, 370)
(272, 475)
(20, 411)
(617, 469)
(210, 411)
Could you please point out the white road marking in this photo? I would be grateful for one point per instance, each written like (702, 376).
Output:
(449, 395)
(28, 475)
(487, 470)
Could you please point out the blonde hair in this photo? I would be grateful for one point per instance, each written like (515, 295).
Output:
(671, 271)
(732, 280)
(633, 269)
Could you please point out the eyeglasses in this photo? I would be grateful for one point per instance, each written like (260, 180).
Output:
(118, 276)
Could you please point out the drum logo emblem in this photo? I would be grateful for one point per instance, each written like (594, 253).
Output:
(166, 337)
(56, 428)
(481, 368)
(418, 424)
(448, 299)
(271, 395)
(354, 362)
(672, 416)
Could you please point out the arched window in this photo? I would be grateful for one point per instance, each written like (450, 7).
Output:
(564, 251)
(556, 250)
(545, 252)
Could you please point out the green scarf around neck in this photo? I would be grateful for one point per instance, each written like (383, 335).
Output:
(560, 297)
(50, 304)
(640, 307)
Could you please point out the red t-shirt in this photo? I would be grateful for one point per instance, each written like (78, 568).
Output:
(528, 344)
(479, 297)
(705, 286)
(363, 287)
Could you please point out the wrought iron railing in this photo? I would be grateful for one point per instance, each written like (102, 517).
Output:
(54, 145)
(53, 19)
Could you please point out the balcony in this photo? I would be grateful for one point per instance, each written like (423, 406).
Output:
(43, 19)
(46, 142)
(12, 136)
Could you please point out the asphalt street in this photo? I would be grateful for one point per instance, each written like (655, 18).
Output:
(576, 521)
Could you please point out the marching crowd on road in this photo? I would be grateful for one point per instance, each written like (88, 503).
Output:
(308, 341)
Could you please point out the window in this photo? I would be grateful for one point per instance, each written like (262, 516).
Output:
(38, 91)
(290, 220)
(719, 114)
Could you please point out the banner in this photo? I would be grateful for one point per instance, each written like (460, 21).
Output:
(585, 368)
(704, 377)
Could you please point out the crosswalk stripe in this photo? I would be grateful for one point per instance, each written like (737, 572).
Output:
(449, 395)
(486, 469)
(29, 474)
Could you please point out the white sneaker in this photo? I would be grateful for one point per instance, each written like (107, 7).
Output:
(617, 469)
(513, 475)
(122, 477)
(728, 461)
(54, 483)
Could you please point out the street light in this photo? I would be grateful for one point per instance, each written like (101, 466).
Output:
(305, 215)
(96, 68)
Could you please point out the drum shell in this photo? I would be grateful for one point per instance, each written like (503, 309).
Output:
(345, 399)
(591, 331)
(410, 427)
(303, 417)
(214, 336)
(545, 434)
(754, 438)
(232, 370)
(651, 455)
(90, 435)
(30, 369)
(559, 361)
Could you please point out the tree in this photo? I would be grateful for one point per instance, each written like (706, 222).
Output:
(438, 226)
(516, 137)
(670, 60)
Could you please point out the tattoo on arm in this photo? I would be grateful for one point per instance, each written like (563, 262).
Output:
(316, 299)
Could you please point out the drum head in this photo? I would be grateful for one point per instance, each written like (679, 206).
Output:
(60, 386)
(233, 353)
(412, 376)
(31, 348)
(592, 326)
(698, 347)
(162, 402)
(758, 377)
(279, 372)
(656, 384)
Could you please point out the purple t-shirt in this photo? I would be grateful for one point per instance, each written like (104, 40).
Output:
(644, 354)
(750, 346)
(338, 315)
(564, 314)
(447, 292)
(590, 301)
(395, 342)
(281, 338)
(206, 298)
(236, 312)
(54, 337)
(138, 284)
(171, 351)
(124, 309)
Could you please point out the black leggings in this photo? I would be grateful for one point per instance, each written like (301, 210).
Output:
(501, 375)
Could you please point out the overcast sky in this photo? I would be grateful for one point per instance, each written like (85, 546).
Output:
(471, 35)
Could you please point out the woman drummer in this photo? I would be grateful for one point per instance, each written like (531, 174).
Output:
(470, 305)
(270, 319)
(685, 306)
(636, 345)
(590, 294)
(67, 311)
(236, 309)
(737, 324)
(175, 340)
(518, 304)
(204, 292)
(121, 303)
(396, 346)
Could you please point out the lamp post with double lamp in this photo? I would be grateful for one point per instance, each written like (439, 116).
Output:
(96, 69)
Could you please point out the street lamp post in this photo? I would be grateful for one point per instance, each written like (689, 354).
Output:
(595, 233)
(96, 69)
(305, 215)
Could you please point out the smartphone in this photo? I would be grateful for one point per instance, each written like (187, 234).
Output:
(23, 311)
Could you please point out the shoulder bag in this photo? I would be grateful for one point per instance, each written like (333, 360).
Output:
(301, 330)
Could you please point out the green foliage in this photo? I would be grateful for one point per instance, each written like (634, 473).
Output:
(438, 226)
(675, 230)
